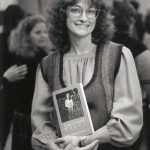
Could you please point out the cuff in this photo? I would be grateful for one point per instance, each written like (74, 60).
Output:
(103, 135)
(5, 82)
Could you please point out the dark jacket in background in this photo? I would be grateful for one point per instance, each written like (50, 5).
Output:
(5, 114)
(136, 47)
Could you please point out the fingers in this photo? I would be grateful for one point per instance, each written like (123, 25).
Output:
(90, 146)
(69, 141)
(22, 70)
(59, 140)
(53, 146)
(13, 66)
(64, 141)
(82, 139)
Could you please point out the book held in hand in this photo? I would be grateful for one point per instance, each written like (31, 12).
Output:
(72, 111)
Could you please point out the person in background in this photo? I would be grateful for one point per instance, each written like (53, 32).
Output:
(139, 29)
(11, 17)
(81, 31)
(124, 18)
(146, 37)
(28, 44)
(146, 41)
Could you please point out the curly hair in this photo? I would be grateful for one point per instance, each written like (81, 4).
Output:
(20, 42)
(103, 31)
(123, 13)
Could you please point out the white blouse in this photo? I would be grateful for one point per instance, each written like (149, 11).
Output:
(78, 68)
(126, 120)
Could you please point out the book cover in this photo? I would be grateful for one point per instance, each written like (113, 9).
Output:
(72, 111)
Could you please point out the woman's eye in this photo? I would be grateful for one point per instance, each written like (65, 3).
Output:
(91, 11)
(75, 10)
(37, 32)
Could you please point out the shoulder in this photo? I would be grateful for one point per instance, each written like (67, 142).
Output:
(113, 44)
(124, 51)
(50, 56)
(49, 61)
(113, 49)
(127, 56)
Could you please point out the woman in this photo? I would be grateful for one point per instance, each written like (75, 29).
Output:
(80, 30)
(28, 44)
(11, 18)
(69, 106)
(146, 36)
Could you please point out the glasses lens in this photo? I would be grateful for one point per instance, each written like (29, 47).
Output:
(74, 12)
(92, 13)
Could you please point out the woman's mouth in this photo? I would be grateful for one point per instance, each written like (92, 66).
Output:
(82, 26)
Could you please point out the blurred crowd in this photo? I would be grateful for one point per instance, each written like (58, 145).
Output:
(24, 41)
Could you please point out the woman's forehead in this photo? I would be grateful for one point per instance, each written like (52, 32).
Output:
(89, 2)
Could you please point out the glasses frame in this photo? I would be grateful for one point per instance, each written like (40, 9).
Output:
(81, 13)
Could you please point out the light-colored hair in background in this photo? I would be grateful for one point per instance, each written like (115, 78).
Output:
(19, 40)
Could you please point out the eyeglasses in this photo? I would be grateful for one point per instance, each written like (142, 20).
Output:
(76, 13)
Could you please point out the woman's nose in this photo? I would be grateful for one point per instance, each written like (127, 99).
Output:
(44, 34)
(83, 17)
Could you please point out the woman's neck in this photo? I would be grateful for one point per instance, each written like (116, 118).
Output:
(80, 46)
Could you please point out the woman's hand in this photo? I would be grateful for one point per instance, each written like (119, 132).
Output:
(72, 143)
(15, 73)
(91, 146)
(53, 146)
(74, 140)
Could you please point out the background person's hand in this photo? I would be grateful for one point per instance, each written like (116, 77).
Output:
(15, 73)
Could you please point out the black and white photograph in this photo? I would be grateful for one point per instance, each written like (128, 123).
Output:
(50, 45)
(69, 105)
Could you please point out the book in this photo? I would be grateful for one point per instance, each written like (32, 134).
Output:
(72, 111)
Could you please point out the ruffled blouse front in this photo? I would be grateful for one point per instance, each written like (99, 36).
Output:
(125, 122)
(78, 68)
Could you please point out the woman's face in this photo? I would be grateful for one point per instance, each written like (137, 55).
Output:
(81, 19)
(39, 35)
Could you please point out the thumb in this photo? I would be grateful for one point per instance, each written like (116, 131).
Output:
(93, 146)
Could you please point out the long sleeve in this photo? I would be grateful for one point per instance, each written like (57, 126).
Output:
(125, 122)
(126, 117)
(40, 116)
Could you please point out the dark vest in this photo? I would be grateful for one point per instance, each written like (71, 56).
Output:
(100, 89)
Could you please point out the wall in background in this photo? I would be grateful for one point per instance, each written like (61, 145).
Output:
(30, 6)
(39, 6)
(144, 5)
(5, 3)
(34, 6)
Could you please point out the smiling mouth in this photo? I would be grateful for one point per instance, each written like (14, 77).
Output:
(82, 26)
